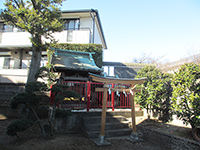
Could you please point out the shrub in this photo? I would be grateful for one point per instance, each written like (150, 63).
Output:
(186, 94)
(156, 92)
(24, 98)
(18, 126)
(36, 86)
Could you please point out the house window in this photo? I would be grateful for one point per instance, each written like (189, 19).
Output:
(44, 61)
(6, 64)
(111, 71)
(1, 26)
(105, 70)
(7, 28)
(1, 62)
(72, 24)
(1, 30)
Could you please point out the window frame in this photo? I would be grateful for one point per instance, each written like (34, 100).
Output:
(76, 21)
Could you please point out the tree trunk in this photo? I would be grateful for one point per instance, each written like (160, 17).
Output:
(52, 118)
(40, 123)
(35, 60)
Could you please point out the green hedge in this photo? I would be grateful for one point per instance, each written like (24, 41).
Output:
(97, 48)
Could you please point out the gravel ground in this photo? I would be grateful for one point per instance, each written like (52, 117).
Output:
(76, 142)
(32, 140)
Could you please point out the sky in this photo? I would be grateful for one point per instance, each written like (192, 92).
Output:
(165, 29)
(162, 29)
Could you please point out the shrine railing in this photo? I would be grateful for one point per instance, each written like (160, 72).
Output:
(91, 99)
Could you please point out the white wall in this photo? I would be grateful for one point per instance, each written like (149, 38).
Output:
(22, 38)
(79, 36)
(13, 75)
(15, 38)
(61, 37)
(86, 23)
(97, 39)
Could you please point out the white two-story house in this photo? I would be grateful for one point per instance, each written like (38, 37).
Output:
(81, 26)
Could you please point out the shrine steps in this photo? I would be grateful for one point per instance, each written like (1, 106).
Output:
(115, 127)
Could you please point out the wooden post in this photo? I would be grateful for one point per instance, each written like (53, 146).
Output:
(103, 114)
(133, 114)
(113, 98)
(88, 95)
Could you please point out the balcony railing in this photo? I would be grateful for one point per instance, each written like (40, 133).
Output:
(13, 76)
(15, 38)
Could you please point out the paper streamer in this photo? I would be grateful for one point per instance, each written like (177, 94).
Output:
(109, 91)
(131, 92)
(118, 93)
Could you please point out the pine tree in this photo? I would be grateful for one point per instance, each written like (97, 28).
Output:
(40, 18)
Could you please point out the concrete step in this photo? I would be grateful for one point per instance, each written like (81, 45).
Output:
(110, 133)
(108, 126)
(97, 119)
(116, 126)
(126, 113)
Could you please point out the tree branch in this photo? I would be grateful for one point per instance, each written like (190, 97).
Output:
(17, 3)
(22, 3)
(34, 4)
(39, 122)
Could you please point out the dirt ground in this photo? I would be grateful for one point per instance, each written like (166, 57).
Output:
(174, 128)
(32, 139)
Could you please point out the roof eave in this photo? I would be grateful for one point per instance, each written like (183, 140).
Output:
(76, 69)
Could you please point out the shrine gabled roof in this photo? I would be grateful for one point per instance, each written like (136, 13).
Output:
(64, 60)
